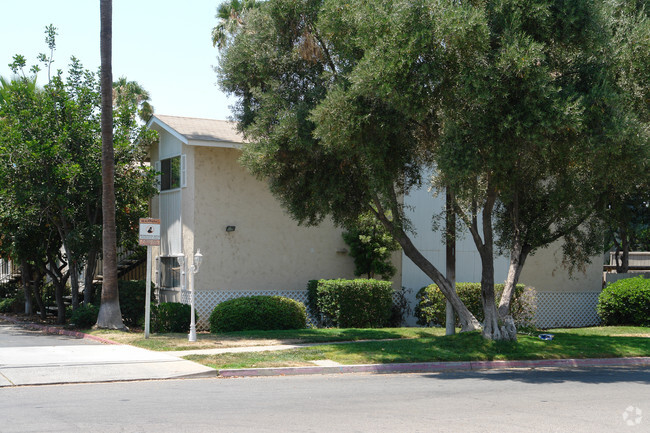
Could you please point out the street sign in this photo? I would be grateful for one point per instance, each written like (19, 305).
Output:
(150, 232)
(149, 236)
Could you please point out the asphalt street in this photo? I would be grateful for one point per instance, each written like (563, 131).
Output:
(588, 400)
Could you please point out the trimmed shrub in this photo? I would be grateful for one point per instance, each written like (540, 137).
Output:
(355, 303)
(85, 316)
(258, 313)
(431, 303)
(625, 302)
(171, 317)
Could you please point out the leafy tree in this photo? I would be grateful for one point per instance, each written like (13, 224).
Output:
(349, 104)
(371, 246)
(626, 209)
(50, 174)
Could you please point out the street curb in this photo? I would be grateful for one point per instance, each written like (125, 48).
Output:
(434, 367)
(56, 331)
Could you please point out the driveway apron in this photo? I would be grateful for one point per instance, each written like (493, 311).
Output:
(29, 357)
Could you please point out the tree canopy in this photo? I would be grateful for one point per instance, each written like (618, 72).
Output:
(513, 104)
(50, 171)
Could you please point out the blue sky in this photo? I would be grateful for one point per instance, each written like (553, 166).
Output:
(164, 45)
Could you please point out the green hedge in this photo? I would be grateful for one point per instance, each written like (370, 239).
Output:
(625, 302)
(258, 313)
(431, 303)
(171, 317)
(354, 303)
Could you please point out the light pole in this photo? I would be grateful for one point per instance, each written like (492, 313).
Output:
(198, 258)
(181, 264)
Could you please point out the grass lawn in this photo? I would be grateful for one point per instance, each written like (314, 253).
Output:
(398, 345)
(168, 342)
(608, 342)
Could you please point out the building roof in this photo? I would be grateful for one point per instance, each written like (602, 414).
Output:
(190, 129)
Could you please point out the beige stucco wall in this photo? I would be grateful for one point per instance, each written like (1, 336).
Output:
(268, 250)
(544, 271)
(188, 206)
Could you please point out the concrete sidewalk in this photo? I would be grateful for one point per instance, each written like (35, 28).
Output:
(31, 357)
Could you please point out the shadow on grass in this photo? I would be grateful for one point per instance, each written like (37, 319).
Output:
(594, 375)
(473, 347)
(335, 334)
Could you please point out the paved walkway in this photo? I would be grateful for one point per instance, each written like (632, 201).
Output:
(32, 357)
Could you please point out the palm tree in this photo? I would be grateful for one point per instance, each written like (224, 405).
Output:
(110, 316)
(230, 15)
(135, 95)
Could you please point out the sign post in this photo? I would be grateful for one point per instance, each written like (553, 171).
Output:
(149, 236)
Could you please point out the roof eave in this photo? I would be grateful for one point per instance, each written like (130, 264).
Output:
(158, 125)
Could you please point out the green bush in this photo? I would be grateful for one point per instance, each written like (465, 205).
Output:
(355, 303)
(431, 303)
(312, 303)
(132, 296)
(171, 317)
(85, 316)
(625, 302)
(9, 305)
(258, 313)
(9, 289)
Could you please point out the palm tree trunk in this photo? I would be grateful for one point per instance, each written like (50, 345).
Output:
(110, 316)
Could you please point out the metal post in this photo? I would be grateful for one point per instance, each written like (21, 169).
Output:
(147, 301)
(198, 258)
(192, 336)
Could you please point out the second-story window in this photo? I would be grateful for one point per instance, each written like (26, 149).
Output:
(170, 173)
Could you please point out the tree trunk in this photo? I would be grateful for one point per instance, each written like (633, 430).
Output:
(518, 256)
(622, 254)
(110, 316)
(27, 288)
(625, 257)
(36, 282)
(485, 248)
(450, 262)
(467, 320)
(60, 303)
(59, 279)
(89, 276)
(74, 278)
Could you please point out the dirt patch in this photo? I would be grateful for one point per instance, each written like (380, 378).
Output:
(633, 335)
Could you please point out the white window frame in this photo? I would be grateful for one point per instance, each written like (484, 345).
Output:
(182, 174)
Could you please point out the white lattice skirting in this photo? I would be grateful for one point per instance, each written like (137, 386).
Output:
(206, 300)
(566, 309)
(554, 309)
